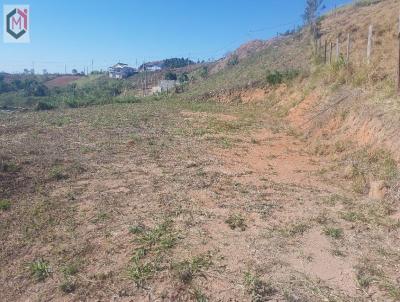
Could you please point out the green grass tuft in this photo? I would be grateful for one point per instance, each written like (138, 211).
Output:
(40, 269)
(236, 221)
(5, 205)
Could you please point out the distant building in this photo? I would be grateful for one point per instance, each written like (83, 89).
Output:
(121, 71)
(151, 66)
(165, 86)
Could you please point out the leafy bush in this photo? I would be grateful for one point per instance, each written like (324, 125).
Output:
(35, 88)
(42, 105)
(233, 60)
(170, 76)
(276, 77)
(203, 72)
(183, 78)
(339, 64)
(5, 205)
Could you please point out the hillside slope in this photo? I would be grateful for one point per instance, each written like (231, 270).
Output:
(271, 179)
(368, 110)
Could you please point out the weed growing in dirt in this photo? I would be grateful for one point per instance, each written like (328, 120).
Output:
(5, 205)
(40, 269)
(368, 272)
(101, 217)
(70, 269)
(140, 272)
(338, 253)
(58, 173)
(366, 275)
(68, 286)
(353, 216)
(153, 243)
(295, 229)
(136, 229)
(8, 167)
(199, 296)
(258, 289)
(254, 141)
(335, 233)
(377, 164)
(236, 221)
(188, 269)
(334, 199)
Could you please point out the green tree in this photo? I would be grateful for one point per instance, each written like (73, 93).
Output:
(177, 62)
(310, 16)
(183, 78)
(204, 72)
(233, 60)
(170, 76)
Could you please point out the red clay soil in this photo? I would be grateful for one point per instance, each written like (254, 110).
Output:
(62, 81)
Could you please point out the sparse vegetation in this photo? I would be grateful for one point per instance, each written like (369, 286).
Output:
(276, 77)
(295, 229)
(361, 3)
(58, 173)
(153, 243)
(335, 233)
(5, 205)
(376, 164)
(258, 289)
(236, 221)
(40, 269)
(186, 270)
(233, 60)
(8, 167)
(254, 165)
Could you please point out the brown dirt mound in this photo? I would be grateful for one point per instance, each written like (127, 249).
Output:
(62, 81)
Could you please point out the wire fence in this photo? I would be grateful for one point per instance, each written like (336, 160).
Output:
(372, 53)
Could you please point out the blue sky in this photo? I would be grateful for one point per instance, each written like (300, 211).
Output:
(76, 32)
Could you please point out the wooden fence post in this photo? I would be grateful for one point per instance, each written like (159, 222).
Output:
(369, 47)
(398, 63)
(330, 54)
(325, 51)
(348, 49)
(337, 48)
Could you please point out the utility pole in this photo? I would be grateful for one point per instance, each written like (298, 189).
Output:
(92, 65)
(369, 47)
(65, 68)
(145, 80)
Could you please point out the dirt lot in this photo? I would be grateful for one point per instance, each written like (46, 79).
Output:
(177, 201)
(62, 81)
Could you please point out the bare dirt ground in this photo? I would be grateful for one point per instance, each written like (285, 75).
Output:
(176, 201)
(62, 81)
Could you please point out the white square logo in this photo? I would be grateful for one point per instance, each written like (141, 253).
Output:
(16, 24)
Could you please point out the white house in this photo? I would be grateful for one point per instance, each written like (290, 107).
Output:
(121, 71)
